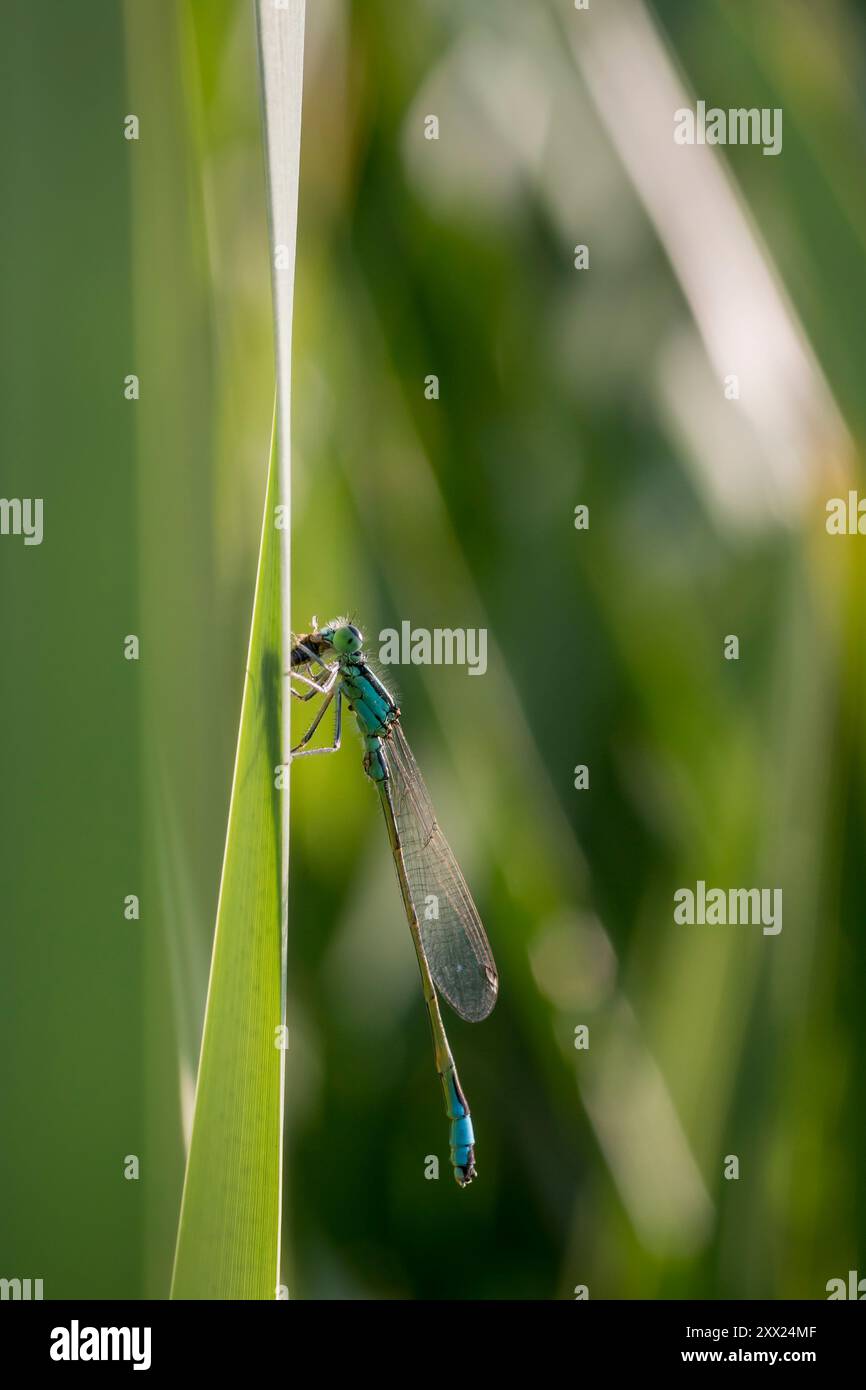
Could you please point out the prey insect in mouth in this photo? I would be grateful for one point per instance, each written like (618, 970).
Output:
(453, 953)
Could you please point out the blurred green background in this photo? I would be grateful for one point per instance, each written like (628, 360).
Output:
(557, 387)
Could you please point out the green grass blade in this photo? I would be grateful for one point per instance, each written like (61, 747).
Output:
(228, 1237)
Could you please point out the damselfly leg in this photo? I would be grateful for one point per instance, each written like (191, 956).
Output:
(320, 687)
(335, 695)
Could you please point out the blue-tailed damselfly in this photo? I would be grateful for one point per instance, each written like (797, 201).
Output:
(453, 953)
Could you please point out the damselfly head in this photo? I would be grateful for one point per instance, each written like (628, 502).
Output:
(345, 638)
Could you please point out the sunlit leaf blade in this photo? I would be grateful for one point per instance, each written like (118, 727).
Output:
(228, 1236)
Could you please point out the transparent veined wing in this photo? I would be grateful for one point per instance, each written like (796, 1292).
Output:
(457, 950)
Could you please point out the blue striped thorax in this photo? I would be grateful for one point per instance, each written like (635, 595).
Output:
(368, 698)
(373, 707)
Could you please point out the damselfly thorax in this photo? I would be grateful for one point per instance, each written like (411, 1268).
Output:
(375, 710)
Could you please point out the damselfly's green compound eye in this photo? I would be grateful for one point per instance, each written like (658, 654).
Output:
(347, 639)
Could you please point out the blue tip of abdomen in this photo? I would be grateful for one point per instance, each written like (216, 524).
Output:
(462, 1135)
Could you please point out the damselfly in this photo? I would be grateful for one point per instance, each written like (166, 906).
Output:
(453, 953)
